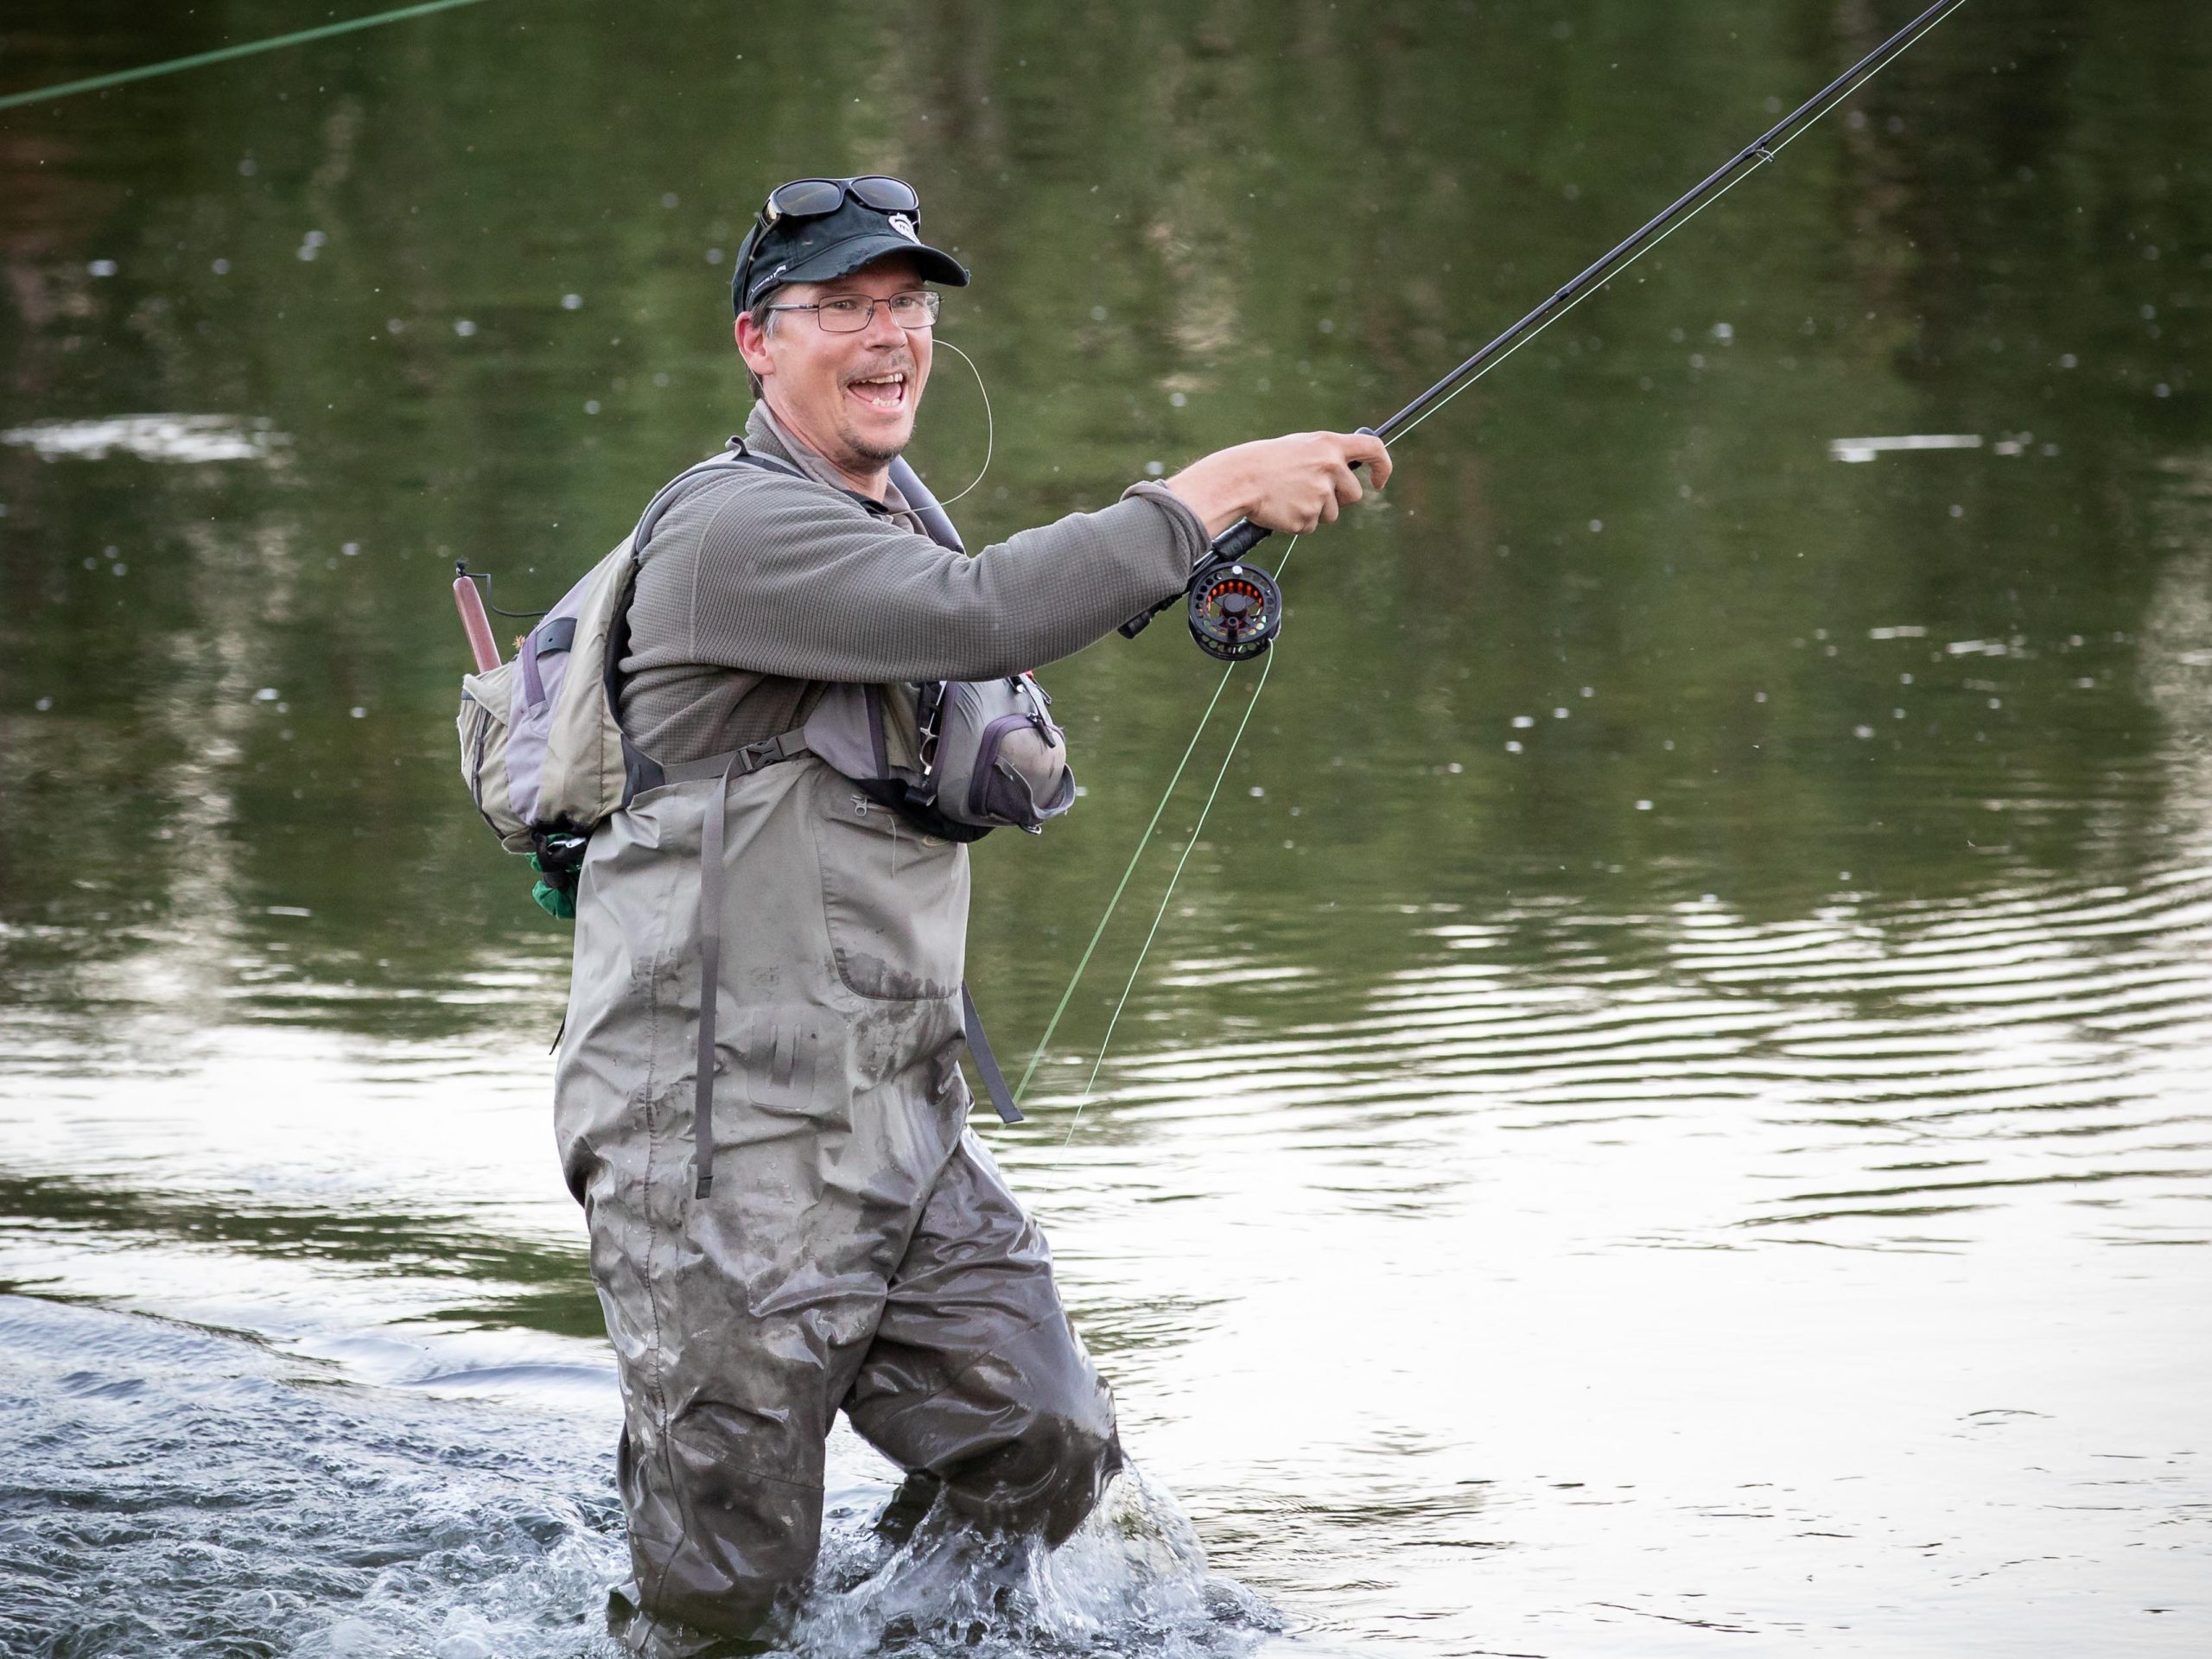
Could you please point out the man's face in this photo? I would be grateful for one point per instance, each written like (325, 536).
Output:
(852, 397)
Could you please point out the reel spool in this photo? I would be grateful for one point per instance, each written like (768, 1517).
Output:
(1234, 608)
(1234, 612)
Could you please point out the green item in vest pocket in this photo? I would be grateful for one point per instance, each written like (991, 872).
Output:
(555, 887)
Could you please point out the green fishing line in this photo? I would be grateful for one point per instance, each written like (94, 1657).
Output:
(224, 54)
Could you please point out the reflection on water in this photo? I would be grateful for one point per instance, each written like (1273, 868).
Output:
(188, 438)
(1668, 1104)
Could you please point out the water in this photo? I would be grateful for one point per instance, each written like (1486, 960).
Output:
(1667, 1112)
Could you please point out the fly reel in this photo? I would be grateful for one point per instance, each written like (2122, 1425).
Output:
(1234, 611)
(1234, 608)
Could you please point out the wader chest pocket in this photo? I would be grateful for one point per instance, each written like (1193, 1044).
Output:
(895, 900)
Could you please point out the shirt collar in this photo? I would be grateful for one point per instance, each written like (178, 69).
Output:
(764, 432)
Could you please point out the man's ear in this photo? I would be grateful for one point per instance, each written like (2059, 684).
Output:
(752, 346)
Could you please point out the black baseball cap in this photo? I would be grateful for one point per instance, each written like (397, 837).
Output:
(820, 246)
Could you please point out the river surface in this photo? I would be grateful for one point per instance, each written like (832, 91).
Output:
(1667, 1109)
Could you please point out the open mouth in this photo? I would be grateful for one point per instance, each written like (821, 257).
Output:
(886, 392)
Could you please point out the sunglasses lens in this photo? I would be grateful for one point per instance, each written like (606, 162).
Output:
(887, 195)
(806, 198)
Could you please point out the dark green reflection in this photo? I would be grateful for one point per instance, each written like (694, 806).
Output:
(1188, 228)
(508, 1282)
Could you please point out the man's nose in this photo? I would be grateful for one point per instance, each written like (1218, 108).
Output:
(883, 328)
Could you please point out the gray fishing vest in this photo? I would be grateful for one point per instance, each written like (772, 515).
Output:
(546, 759)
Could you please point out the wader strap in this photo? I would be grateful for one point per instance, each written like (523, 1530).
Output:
(986, 1061)
(710, 981)
(721, 767)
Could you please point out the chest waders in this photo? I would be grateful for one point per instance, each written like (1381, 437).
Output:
(758, 1104)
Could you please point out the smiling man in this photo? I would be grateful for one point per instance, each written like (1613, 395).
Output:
(814, 1228)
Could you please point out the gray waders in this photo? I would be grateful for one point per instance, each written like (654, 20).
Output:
(848, 1243)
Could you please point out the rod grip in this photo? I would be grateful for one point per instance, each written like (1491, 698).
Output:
(475, 623)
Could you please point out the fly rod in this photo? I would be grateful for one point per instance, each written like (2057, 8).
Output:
(1234, 608)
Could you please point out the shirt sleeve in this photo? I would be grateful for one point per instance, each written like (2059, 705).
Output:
(794, 581)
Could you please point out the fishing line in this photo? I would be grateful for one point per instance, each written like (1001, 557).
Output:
(990, 432)
(1128, 870)
(223, 54)
(1144, 949)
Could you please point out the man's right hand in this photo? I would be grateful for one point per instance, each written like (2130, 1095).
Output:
(1293, 483)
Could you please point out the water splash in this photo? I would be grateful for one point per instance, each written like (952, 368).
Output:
(168, 1490)
(1133, 1580)
(178, 1492)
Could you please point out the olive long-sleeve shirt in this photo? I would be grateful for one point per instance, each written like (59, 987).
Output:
(758, 590)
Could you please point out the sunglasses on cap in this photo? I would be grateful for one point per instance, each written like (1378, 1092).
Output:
(812, 198)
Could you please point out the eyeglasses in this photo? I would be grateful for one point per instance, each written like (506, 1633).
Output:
(812, 198)
(851, 313)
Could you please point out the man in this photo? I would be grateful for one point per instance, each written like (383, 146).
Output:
(848, 1245)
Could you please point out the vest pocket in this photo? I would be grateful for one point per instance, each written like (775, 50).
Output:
(895, 900)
